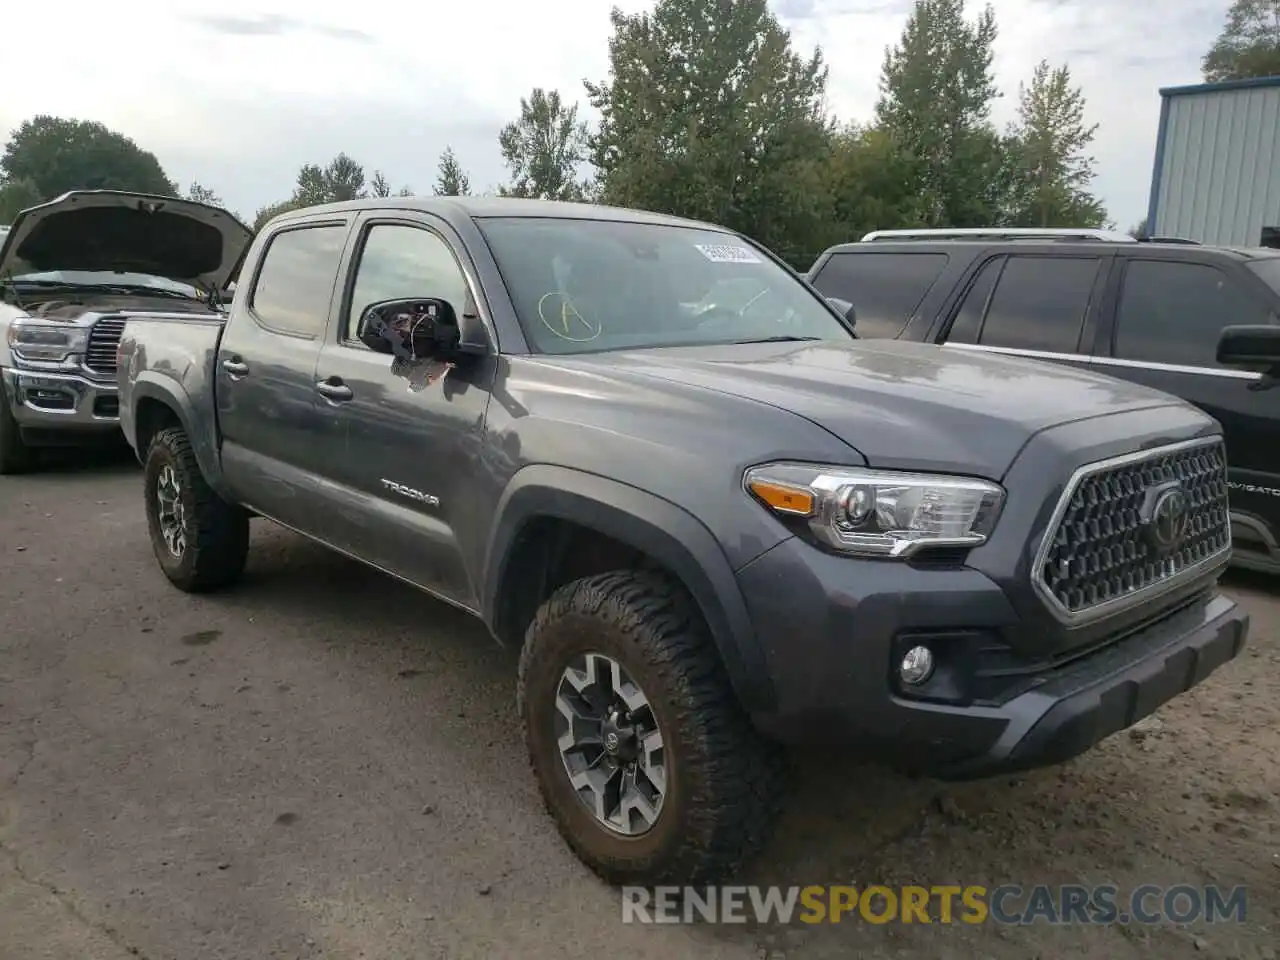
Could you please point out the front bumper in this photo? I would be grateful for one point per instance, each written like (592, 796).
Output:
(58, 402)
(834, 628)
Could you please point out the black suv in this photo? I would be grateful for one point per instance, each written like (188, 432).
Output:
(1148, 311)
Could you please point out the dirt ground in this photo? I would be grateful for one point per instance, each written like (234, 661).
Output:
(324, 764)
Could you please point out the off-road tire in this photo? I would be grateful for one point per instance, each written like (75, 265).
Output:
(726, 782)
(217, 533)
(15, 456)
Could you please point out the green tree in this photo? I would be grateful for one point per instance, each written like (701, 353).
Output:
(1249, 45)
(709, 113)
(56, 155)
(16, 196)
(1048, 148)
(453, 180)
(936, 93)
(202, 194)
(378, 186)
(275, 209)
(869, 185)
(1139, 229)
(341, 179)
(544, 148)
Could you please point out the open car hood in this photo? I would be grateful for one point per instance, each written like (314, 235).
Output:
(113, 230)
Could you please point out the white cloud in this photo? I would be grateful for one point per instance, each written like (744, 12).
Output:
(240, 93)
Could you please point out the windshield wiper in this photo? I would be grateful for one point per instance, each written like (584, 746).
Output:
(139, 288)
(783, 338)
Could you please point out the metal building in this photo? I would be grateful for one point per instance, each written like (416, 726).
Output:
(1216, 176)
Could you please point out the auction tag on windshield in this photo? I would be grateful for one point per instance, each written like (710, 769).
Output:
(727, 253)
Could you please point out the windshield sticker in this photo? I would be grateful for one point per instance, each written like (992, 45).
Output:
(727, 253)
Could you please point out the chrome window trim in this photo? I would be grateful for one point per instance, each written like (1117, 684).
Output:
(1109, 361)
(1109, 608)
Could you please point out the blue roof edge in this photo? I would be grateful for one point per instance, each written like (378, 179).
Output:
(1220, 87)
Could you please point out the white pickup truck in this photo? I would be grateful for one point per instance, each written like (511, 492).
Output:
(69, 271)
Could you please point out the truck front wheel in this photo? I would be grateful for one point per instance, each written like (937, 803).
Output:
(646, 762)
(199, 539)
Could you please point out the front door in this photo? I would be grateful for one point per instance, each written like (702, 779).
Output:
(413, 429)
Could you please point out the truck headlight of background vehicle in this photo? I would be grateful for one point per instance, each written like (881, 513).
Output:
(876, 513)
(42, 341)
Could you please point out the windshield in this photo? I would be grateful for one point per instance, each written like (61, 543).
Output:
(107, 278)
(589, 285)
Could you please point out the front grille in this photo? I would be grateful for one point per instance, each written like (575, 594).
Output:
(100, 356)
(1102, 552)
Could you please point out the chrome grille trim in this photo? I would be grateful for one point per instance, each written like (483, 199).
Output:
(104, 337)
(1217, 524)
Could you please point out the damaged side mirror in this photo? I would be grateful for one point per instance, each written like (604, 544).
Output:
(420, 329)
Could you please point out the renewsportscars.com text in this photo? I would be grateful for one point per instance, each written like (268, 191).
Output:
(941, 904)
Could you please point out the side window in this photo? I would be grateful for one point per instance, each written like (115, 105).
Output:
(1172, 312)
(884, 288)
(295, 283)
(1040, 303)
(402, 262)
(968, 322)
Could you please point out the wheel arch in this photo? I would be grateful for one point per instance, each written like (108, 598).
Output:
(543, 501)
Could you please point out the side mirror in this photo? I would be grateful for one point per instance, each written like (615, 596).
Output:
(845, 309)
(1254, 347)
(419, 329)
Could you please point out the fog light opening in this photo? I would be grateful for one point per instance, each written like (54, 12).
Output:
(916, 666)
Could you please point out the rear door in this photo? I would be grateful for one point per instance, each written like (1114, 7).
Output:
(277, 433)
(1163, 332)
(1039, 306)
(885, 287)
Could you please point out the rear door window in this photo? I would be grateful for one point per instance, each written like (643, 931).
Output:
(1039, 303)
(884, 288)
(1172, 311)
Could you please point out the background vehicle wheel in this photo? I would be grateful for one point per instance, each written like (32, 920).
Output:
(200, 540)
(15, 456)
(646, 761)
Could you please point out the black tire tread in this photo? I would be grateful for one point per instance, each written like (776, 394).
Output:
(220, 545)
(743, 776)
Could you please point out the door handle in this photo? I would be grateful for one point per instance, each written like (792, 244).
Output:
(236, 368)
(337, 392)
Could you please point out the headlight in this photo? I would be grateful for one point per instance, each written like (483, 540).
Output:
(874, 513)
(40, 340)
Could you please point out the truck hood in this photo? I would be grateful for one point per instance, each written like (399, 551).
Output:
(113, 230)
(901, 405)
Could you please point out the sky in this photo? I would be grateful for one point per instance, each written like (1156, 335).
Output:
(239, 94)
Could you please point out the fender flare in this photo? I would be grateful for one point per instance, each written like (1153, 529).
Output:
(150, 386)
(669, 534)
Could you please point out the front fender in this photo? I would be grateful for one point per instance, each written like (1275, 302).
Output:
(669, 534)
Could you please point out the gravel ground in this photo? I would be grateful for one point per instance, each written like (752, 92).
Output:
(325, 763)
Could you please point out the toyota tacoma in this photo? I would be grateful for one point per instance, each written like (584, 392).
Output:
(714, 522)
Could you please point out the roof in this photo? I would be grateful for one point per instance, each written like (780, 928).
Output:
(484, 207)
(1223, 86)
(1039, 245)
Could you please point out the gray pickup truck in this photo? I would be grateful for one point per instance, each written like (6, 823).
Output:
(70, 270)
(713, 524)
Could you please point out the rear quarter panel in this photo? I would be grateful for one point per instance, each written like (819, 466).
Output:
(166, 362)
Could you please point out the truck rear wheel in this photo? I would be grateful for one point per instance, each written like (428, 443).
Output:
(15, 456)
(646, 762)
(200, 540)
